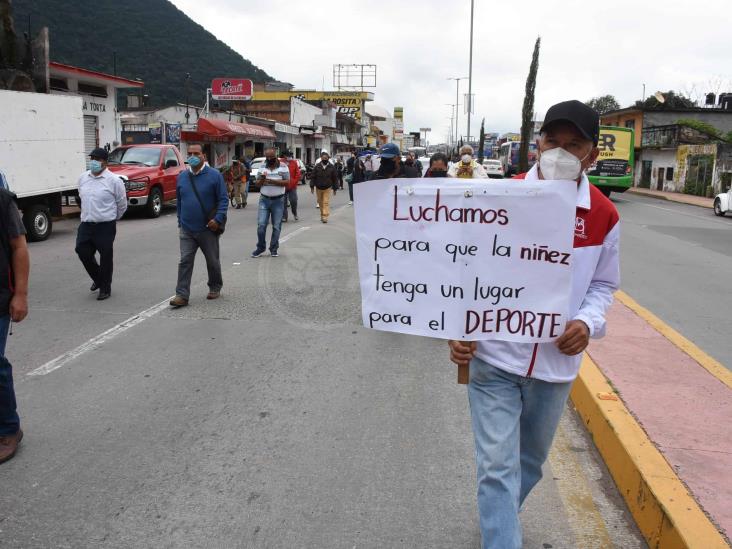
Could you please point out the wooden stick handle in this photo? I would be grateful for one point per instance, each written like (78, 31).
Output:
(463, 374)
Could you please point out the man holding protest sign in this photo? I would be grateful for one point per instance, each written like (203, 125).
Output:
(518, 391)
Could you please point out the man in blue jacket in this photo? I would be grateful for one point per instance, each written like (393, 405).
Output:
(202, 201)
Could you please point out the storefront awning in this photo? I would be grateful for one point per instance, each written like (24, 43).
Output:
(226, 129)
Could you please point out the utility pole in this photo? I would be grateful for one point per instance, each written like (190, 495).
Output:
(457, 103)
(186, 86)
(470, 67)
(453, 108)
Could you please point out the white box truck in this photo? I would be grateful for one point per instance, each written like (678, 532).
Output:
(41, 154)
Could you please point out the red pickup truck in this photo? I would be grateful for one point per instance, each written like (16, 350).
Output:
(149, 173)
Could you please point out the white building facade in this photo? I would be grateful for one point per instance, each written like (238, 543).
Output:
(98, 91)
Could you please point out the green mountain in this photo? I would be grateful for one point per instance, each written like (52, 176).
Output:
(153, 41)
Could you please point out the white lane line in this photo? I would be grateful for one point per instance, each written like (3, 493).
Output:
(114, 331)
(99, 340)
(288, 236)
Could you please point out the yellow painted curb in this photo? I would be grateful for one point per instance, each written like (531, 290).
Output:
(666, 514)
(705, 361)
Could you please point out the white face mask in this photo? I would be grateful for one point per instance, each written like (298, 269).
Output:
(559, 164)
(466, 158)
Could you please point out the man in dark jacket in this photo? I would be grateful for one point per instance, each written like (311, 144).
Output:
(324, 180)
(339, 172)
(14, 264)
(412, 162)
(391, 164)
(350, 163)
(358, 175)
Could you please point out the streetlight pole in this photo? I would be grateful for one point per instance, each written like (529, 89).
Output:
(470, 67)
(457, 103)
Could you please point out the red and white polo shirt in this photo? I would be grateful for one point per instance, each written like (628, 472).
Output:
(595, 277)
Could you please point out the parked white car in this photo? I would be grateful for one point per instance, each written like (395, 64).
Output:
(493, 168)
(723, 203)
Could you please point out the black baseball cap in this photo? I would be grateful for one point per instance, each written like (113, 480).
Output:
(100, 154)
(585, 118)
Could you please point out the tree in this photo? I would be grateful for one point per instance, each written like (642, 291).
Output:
(603, 104)
(672, 100)
(527, 113)
(481, 141)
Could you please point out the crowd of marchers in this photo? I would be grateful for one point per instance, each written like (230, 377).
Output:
(517, 391)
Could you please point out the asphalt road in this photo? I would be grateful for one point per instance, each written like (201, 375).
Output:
(268, 418)
(676, 260)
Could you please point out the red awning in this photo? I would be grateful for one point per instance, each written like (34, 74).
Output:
(191, 137)
(223, 128)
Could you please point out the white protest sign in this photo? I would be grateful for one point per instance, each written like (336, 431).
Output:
(466, 259)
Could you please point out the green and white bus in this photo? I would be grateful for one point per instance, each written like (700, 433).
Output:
(613, 170)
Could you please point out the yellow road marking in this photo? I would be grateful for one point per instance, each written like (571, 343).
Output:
(664, 510)
(713, 366)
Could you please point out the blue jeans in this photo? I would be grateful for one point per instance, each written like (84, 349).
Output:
(274, 208)
(9, 421)
(514, 421)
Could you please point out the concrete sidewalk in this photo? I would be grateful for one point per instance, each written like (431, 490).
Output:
(682, 401)
(675, 197)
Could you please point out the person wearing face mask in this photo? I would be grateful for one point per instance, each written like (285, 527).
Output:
(202, 202)
(411, 167)
(371, 165)
(274, 177)
(291, 189)
(339, 172)
(391, 165)
(438, 165)
(103, 202)
(325, 180)
(518, 391)
(358, 175)
(467, 167)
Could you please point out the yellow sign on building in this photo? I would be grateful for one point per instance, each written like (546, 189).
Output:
(349, 103)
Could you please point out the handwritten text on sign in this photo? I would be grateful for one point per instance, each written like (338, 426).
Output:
(464, 259)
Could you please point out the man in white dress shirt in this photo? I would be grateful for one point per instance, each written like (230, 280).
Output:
(103, 202)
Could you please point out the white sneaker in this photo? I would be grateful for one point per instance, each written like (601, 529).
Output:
(317, 206)
(350, 203)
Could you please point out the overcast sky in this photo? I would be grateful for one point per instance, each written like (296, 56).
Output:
(588, 49)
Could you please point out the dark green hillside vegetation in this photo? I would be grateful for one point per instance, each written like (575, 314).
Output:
(154, 41)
